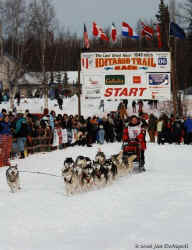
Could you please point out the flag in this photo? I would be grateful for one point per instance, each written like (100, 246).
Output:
(86, 39)
(85, 63)
(176, 30)
(102, 35)
(159, 36)
(113, 33)
(128, 31)
(147, 31)
(95, 29)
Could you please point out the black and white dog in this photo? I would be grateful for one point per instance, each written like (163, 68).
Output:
(100, 157)
(81, 161)
(69, 175)
(111, 169)
(68, 164)
(100, 174)
(13, 180)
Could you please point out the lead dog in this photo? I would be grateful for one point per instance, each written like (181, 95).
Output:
(68, 164)
(12, 176)
(69, 176)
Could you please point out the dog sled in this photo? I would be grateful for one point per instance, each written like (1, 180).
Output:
(133, 148)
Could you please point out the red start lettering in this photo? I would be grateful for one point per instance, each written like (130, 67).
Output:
(123, 92)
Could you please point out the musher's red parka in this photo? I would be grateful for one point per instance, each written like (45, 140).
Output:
(135, 132)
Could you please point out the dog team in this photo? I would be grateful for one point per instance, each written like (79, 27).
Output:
(83, 173)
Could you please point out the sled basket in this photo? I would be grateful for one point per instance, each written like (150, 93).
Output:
(131, 147)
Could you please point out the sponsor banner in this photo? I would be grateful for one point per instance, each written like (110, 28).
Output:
(153, 86)
(159, 85)
(146, 75)
(148, 86)
(158, 80)
(93, 81)
(125, 61)
(92, 93)
(137, 79)
(114, 79)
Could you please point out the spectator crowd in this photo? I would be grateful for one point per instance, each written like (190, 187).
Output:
(27, 133)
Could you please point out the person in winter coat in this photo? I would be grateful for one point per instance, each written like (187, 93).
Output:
(82, 133)
(21, 133)
(1, 97)
(160, 123)
(52, 118)
(5, 140)
(123, 112)
(100, 132)
(18, 97)
(134, 106)
(101, 105)
(177, 130)
(166, 134)
(60, 102)
(188, 130)
(135, 132)
(94, 128)
(108, 125)
(118, 124)
(125, 102)
(152, 126)
(140, 107)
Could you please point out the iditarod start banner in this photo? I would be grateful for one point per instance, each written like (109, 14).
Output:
(126, 75)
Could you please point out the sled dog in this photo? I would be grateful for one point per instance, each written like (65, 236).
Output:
(100, 157)
(12, 176)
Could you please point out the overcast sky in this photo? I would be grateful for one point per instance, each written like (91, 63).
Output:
(73, 14)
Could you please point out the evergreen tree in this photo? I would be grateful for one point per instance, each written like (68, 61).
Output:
(187, 7)
(163, 20)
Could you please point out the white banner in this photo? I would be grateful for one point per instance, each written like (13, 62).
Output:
(55, 138)
(64, 136)
(131, 75)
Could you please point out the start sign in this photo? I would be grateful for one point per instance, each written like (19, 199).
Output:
(126, 75)
(124, 92)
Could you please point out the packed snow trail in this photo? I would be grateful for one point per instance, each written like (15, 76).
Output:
(150, 208)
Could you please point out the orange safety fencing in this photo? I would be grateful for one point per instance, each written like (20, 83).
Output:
(5, 150)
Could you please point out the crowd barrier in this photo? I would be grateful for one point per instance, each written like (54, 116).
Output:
(5, 149)
(38, 144)
(46, 143)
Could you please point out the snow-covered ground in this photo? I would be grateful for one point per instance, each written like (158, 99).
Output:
(138, 211)
(70, 106)
(154, 207)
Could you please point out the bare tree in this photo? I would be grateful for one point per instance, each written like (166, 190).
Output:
(42, 22)
(13, 17)
(185, 12)
(13, 20)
